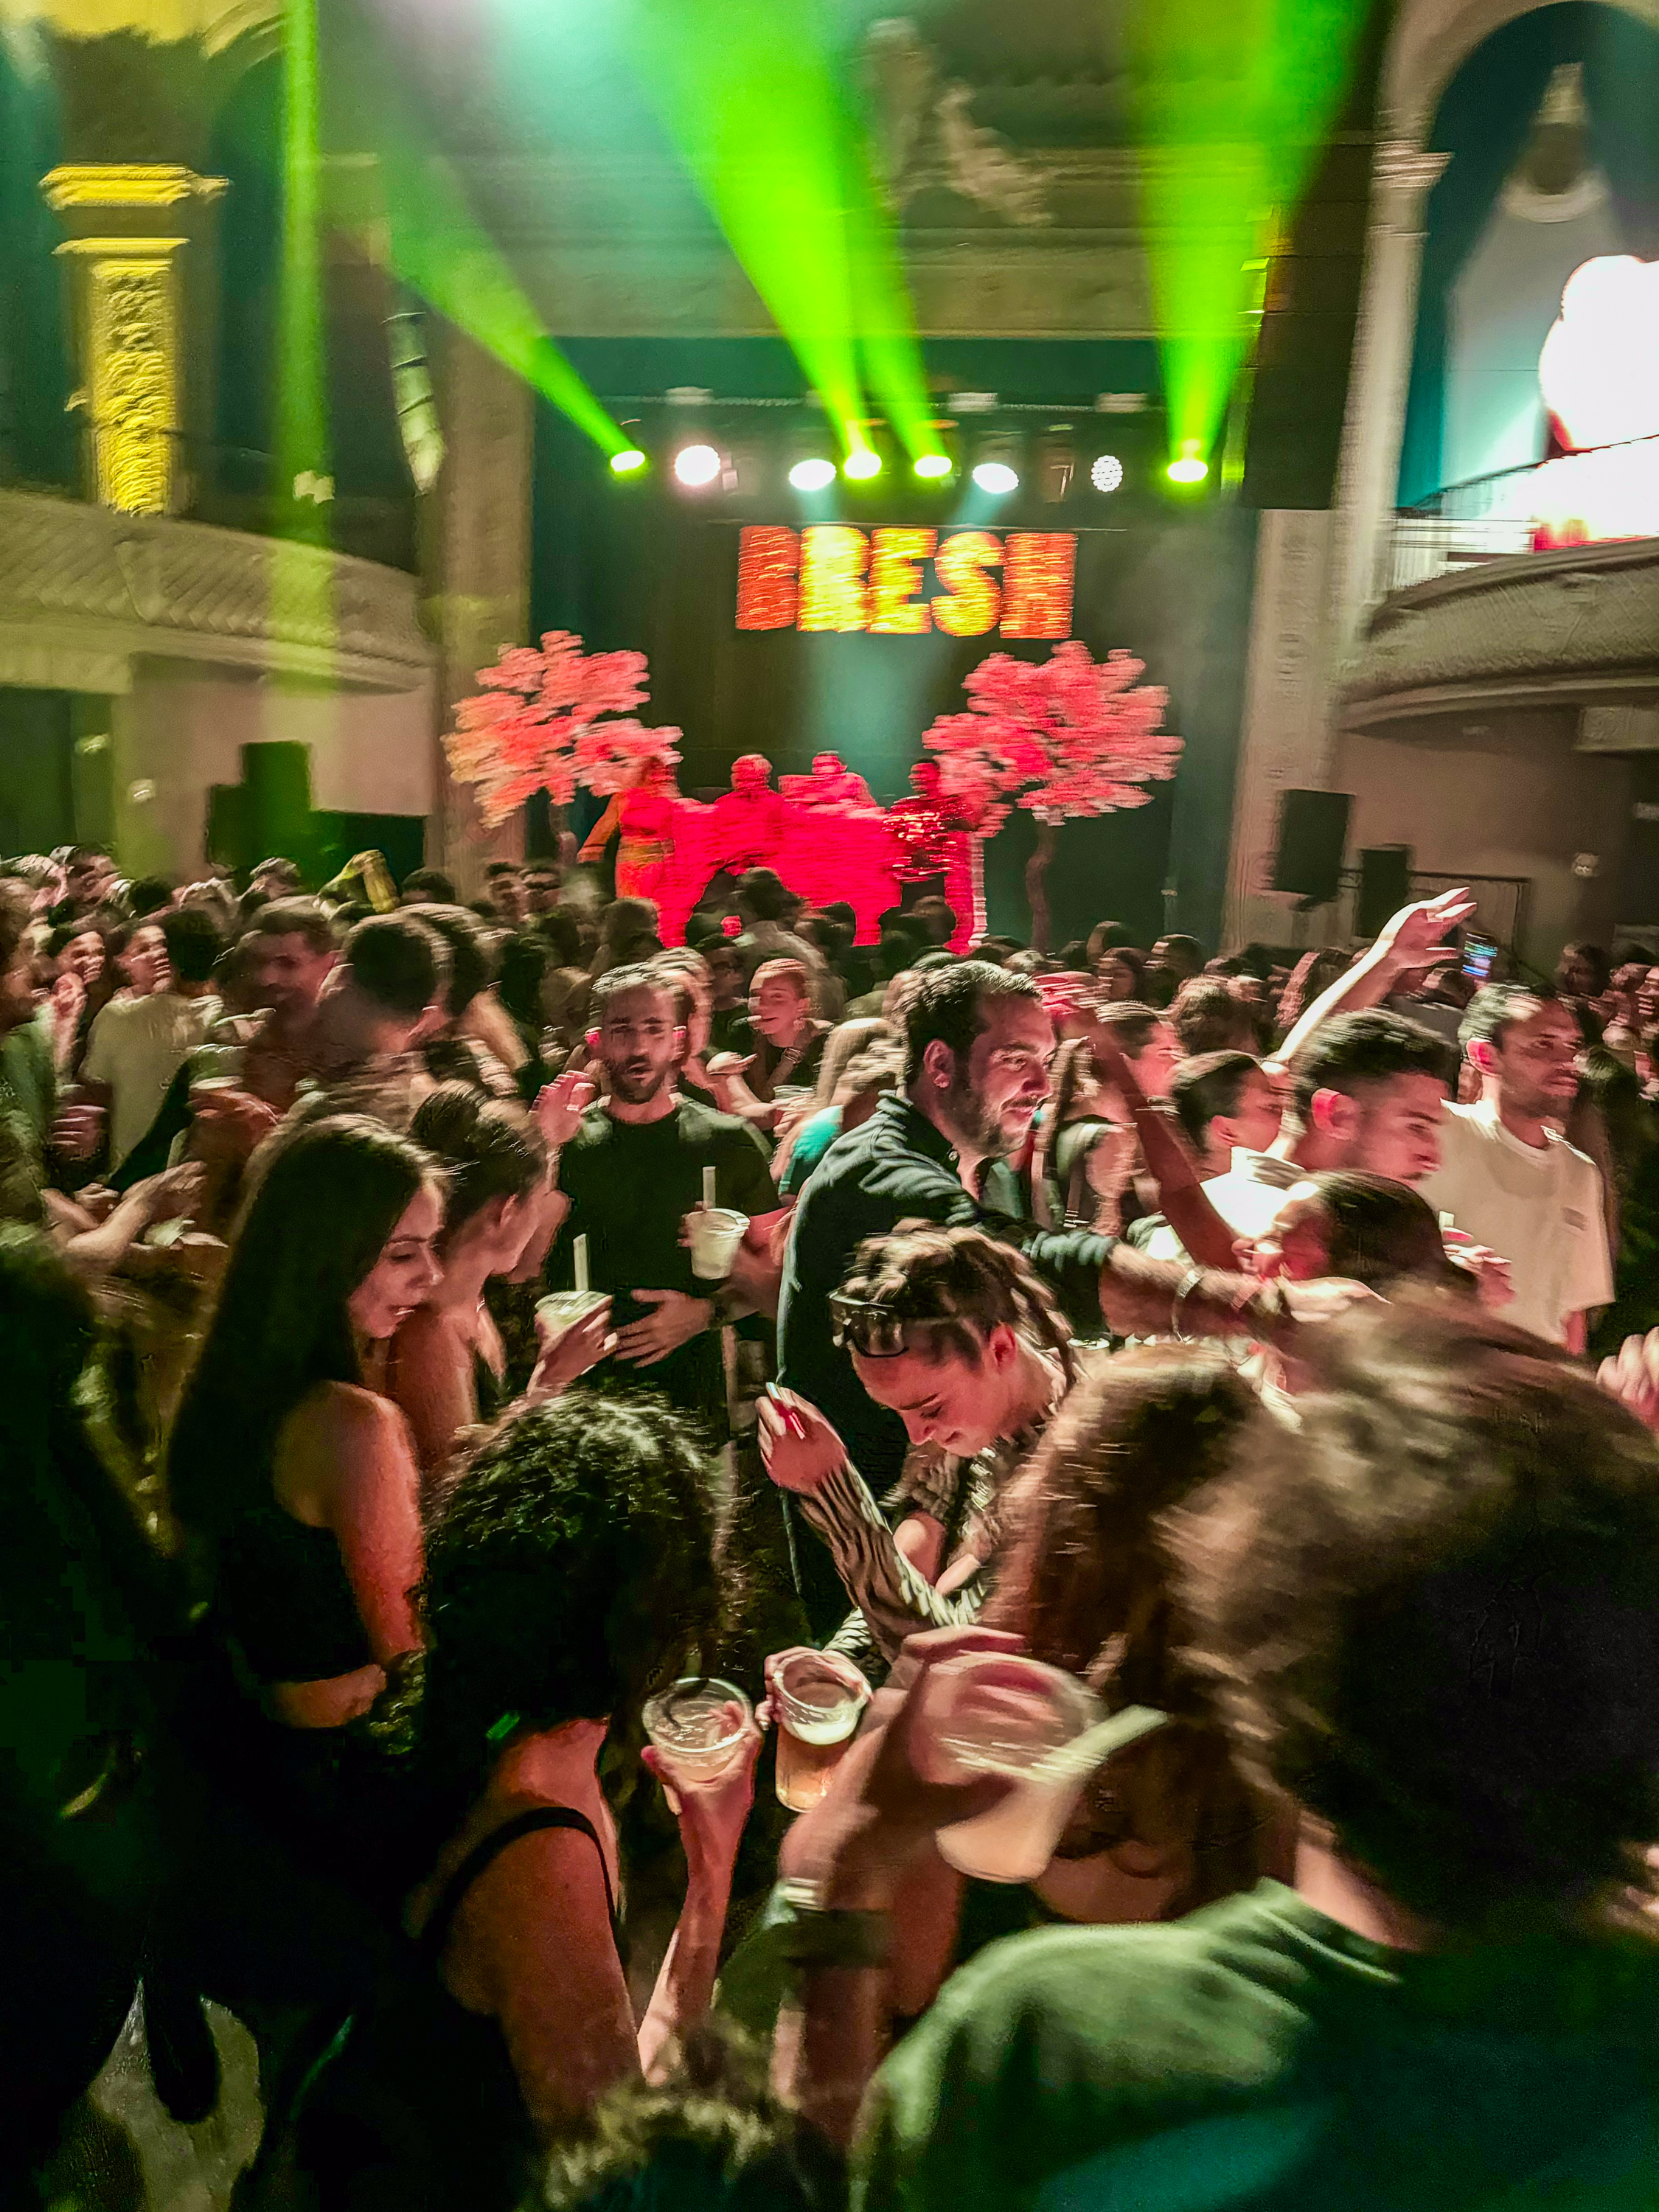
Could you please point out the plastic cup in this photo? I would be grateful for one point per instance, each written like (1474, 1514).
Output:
(1003, 1714)
(695, 1727)
(217, 1067)
(818, 1700)
(716, 1232)
(561, 1311)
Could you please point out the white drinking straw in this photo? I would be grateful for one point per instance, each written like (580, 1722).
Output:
(708, 1189)
(580, 1250)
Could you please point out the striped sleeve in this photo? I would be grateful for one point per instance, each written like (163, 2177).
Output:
(894, 1600)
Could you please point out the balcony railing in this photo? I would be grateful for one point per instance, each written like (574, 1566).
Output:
(201, 480)
(1606, 493)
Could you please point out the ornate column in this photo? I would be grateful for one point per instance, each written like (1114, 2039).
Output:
(476, 564)
(129, 224)
(1370, 463)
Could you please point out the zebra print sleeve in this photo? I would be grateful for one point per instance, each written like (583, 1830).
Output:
(894, 1600)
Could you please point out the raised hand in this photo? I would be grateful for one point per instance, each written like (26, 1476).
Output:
(800, 1448)
(1412, 937)
(560, 1106)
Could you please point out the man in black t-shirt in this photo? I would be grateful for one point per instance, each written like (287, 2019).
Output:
(632, 1171)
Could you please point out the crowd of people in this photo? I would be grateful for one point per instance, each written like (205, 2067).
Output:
(1188, 1422)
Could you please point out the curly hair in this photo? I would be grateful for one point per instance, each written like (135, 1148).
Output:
(1088, 1580)
(1430, 1610)
(572, 1569)
(967, 1282)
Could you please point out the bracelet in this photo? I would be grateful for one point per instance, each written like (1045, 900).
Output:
(1190, 1283)
(830, 1935)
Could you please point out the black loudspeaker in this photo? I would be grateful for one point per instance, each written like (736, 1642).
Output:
(1313, 832)
(1385, 885)
(277, 779)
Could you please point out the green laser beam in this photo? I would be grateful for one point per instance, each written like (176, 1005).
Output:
(436, 247)
(1232, 105)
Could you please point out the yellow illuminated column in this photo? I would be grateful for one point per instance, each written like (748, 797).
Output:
(130, 317)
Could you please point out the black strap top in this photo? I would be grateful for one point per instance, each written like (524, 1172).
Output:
(488, 1387)
(483, 1856)
(283, 1595)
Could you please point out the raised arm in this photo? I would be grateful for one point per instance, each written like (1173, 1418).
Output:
(1171, 1166)
(1411, 939)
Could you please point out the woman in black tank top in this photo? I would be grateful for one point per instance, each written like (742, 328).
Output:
(571, 1573)
(447, 1370)
(293, 1480)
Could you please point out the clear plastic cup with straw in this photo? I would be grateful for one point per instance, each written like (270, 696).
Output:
(1001, 1713)
(817, 1699)
(563, 1309)
(698, 1726)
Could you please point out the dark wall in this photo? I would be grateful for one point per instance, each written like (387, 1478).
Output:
(640, 566)
(37, 436)
(37, 791)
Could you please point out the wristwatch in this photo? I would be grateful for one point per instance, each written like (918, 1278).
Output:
(819, 1935)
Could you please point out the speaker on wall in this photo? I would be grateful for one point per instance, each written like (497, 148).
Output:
(1313, 834)
(1385, 885)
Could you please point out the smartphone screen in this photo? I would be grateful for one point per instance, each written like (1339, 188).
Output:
(1479, 955)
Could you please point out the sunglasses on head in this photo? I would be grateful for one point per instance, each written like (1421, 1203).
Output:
(871, 1327)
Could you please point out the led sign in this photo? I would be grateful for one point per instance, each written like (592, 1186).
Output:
(830, 576)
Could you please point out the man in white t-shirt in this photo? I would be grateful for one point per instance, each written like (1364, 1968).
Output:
(138, 1044)
(1511, 1180)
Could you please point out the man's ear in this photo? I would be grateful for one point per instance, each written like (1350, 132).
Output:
(939, 1065)
(1482, 1059)
(591, 1041)
(1334, 1114)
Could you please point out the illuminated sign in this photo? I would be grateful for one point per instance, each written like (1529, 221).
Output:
(830, 576)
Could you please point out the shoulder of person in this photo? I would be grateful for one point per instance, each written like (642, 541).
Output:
(1577, 1161)
(1058, 2047)
(348, 1413)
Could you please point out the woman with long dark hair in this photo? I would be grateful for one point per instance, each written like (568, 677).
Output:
(293, 1477)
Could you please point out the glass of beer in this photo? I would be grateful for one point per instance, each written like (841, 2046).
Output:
(818, 1698)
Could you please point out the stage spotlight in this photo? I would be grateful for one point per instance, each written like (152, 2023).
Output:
(1191, 467)
(629, 462)
(696, 466)
(813, 473)
(861, 464)
(997, 476)
(932, 465)
(1107, 474)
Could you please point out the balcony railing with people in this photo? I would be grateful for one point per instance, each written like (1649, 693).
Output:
(165, 473)
(1604, 494)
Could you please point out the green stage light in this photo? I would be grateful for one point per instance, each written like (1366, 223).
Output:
(425, 232)
(1232, 108)
(760, 116)
(933, 465)
(1188, 470)
(813, 474)
(861, 464)
(629, 462)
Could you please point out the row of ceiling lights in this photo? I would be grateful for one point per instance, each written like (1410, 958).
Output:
(697, 466)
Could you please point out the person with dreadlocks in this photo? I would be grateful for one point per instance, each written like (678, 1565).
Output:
(953, 1331)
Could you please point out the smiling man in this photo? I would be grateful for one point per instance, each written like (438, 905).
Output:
(1511, 1180)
